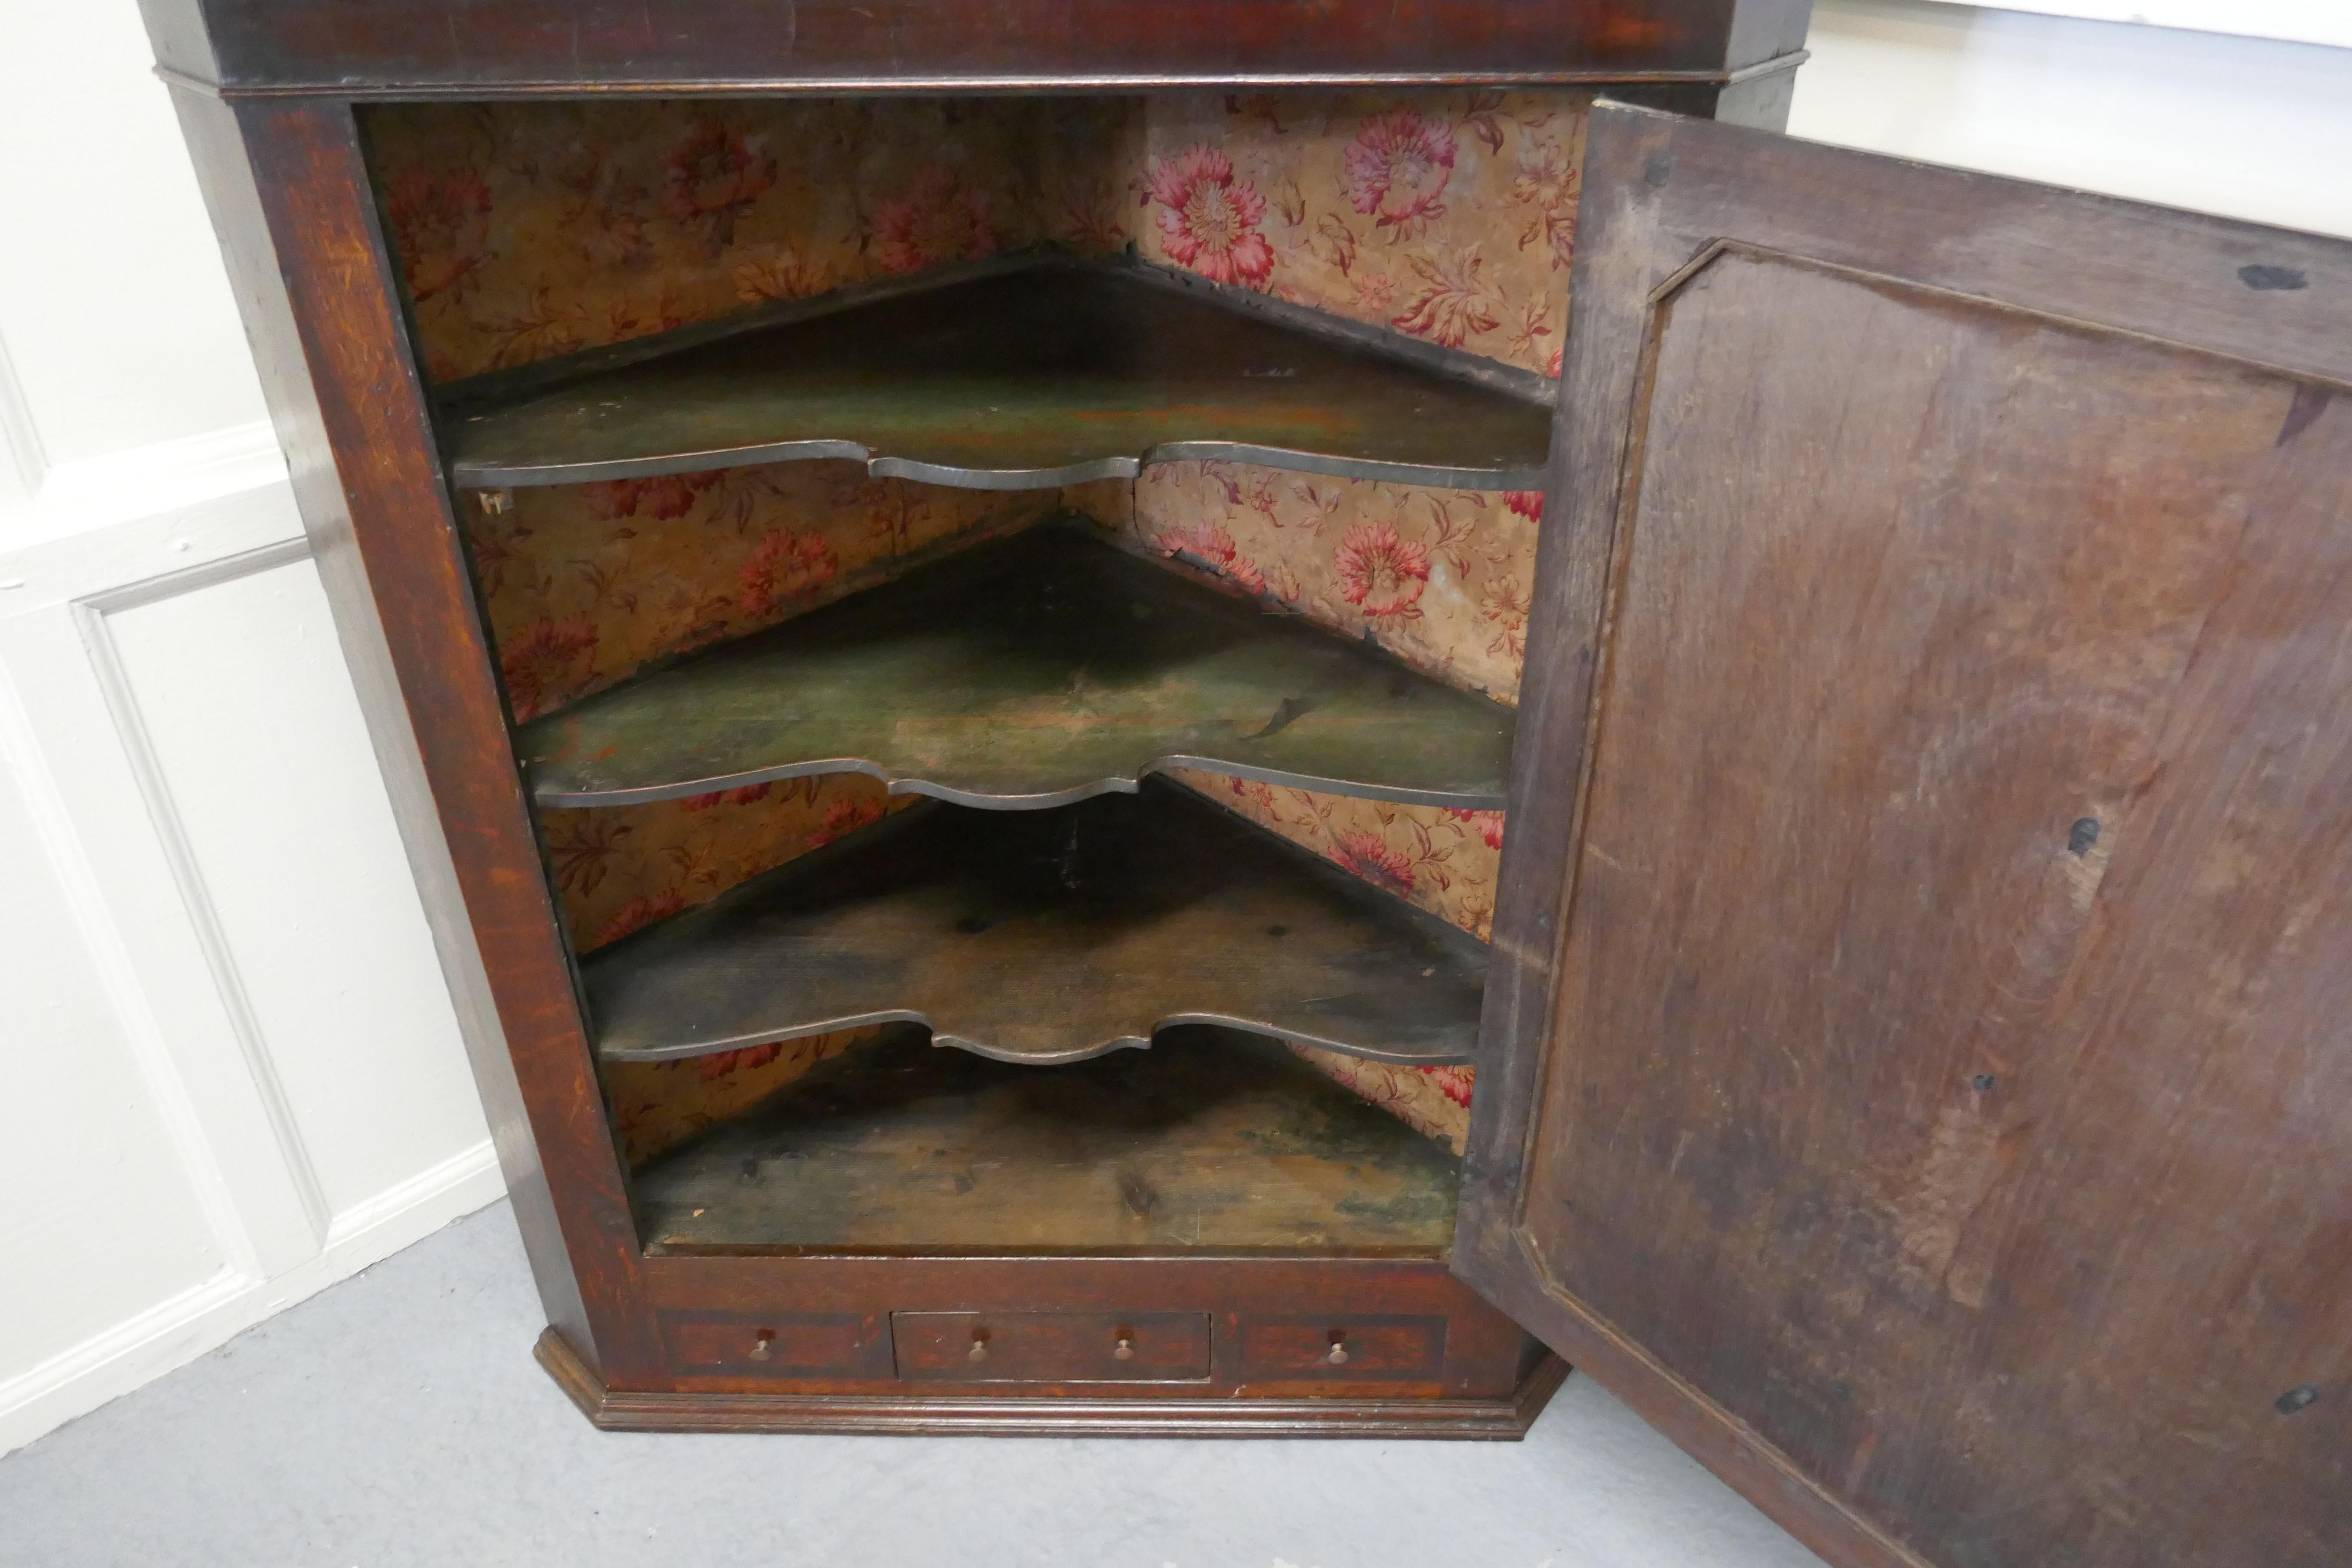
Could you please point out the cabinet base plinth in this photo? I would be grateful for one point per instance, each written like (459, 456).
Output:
(925, 1414)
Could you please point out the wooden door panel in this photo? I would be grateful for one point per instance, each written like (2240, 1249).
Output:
(1925, 1035)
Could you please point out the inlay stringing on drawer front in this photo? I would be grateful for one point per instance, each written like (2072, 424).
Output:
(1343, 1347)
(1051, 1347)
(777, 1344)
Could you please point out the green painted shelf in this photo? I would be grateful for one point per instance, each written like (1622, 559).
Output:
(1219, 1140)
(1040, 371)
(1029, 671)
(1047, 937)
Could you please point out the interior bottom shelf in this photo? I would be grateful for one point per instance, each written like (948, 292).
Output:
(1212, 1139)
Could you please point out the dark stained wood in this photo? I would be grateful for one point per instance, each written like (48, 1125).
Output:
(781, 1344)
(1760, 98)
(1211, 1139)
(1057, 372)
(652, 1341)
(286, 191)
(1051, 1347)
(1316, 1345)
(1089, 1415)
(478, 47)
(1920, 1033)
(1047, 937)
(1487, 1356)
(1032, 671)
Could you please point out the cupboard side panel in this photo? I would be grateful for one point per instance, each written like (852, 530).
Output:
(288, 192)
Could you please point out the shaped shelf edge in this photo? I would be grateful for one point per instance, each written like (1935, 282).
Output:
(1036, 670)
(1032, 370)
(1046, 939)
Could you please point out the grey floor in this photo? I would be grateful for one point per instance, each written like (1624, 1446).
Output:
(398, 1419)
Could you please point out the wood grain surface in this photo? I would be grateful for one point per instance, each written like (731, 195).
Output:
(1167, 1410)
(1059, 371)
(1031, 672)
(1922, 1036)
(416, 47)
(1212, 1139)
(835, 1305)
(288, 187)
(1051, 1347)
(1044, 937)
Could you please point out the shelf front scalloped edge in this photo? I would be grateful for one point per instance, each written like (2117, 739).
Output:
(950, 1040)
(888, 682)
(973, 364)
(1491, 798)
(1043, 938)
(494, 476)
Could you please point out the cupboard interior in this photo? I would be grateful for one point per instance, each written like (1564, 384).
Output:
(723, 385)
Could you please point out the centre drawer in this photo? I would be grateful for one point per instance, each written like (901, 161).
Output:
(1051, 1347)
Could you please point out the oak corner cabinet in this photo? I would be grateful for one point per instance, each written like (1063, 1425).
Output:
(1245, 717)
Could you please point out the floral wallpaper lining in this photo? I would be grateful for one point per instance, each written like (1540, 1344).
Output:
(618, 869)
(1430, 1100)
(1441, 579)
(528, 230)
(1448, 214)
(582, 584)
(1441, 858)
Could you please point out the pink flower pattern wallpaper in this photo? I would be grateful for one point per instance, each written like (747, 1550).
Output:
(530, 230)
(1440, 578)
(584, 584)
(619, 868)
(1443, 859)
(1445, 214)
(535, 230)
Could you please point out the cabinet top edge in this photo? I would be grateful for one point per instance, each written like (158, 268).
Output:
(377, 49)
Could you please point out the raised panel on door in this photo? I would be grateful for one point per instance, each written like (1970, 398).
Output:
(1921, 1028)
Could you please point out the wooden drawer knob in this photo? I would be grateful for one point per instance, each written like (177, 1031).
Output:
(1338, 1356)
(1125, 1349)
(979, 1351)
(763, 1345)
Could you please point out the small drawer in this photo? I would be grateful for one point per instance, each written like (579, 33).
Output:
(776, 1344)
(1404, 1348)
(1051, 1347)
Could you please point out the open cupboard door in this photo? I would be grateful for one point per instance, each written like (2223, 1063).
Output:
(1920, 1071)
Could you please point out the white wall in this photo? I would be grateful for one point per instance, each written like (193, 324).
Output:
(229, 1069)
(2297, 21)
(2250, 128)
(229, 1073)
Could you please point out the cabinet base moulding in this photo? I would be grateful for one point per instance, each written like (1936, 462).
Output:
(924, 1414)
